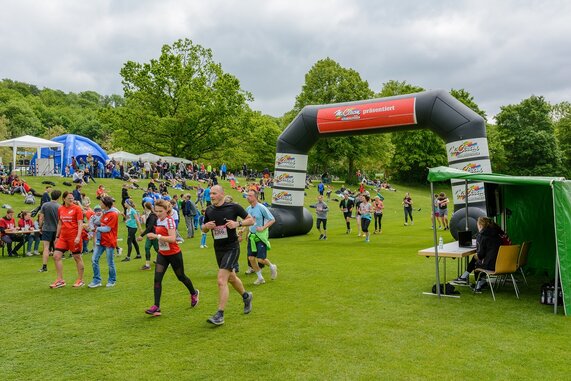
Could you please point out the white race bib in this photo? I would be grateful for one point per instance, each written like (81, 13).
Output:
(220, 232)
(164, 246)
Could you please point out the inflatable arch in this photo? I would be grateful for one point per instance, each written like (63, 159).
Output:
(462, 129)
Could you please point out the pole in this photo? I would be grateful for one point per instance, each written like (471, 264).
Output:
(466, 200)
(435, 239)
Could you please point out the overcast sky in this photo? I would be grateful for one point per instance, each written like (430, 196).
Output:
(499, 51)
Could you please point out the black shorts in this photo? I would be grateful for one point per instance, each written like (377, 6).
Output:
(227, 258)
(48, 236)
(322, 221)
(261, 250)
(347, 214)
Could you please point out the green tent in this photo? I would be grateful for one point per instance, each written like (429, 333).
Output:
(540, 212)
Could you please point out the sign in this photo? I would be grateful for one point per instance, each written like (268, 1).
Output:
(474, 166)
(288, 179)
(476, 193)
(467, 149)
(291, 161)
(287, 197)
(398, 112)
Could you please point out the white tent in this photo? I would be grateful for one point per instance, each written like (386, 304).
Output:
(28, 141)
(123, 156)
(172, 159)
(151, 157)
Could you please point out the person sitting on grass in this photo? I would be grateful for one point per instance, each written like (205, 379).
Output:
(488, 242)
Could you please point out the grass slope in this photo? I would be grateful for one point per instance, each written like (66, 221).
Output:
(340, 309)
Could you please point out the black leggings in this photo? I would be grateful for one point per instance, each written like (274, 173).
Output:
(161, 267)
(407, 213)
(378, 218)
(132, 241)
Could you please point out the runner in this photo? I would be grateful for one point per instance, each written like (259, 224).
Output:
(220, 218)
(169, 253)
(346, 206)
(68, 235)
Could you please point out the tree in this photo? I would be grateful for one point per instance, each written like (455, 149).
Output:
(528, 137)
(181, 104)
(561, 115)
(414, 151)
(328, 82)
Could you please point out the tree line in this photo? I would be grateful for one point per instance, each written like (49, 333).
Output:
(183, 104)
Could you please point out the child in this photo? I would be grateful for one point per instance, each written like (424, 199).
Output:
(85, 237)
(27, 223)
(94, 223)
(203, 236)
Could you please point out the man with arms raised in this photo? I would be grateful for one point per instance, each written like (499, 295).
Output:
(221, 219)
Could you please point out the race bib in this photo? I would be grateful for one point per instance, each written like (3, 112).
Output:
(164, 246)
(220, 232)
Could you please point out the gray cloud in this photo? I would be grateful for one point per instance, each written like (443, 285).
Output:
(501, 52)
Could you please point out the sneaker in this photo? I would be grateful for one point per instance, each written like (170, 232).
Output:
(154, 310)
(126, 259)
(248, 303)
(459, 281)
(366, 240)
(110, 284)
(94, 284)
(249, 271)
(206, 247)
(146, 267)
(78, 283)
(43, 270)
(274, 271)
(405, 224)
(138, 257)
(477, 290)
(202, 246)
(216, 319)
(179, 240)
(324, 237)
(194, 299)
(412, 222)
(119, 251)
(359, 235)
(58, 284)
(29, 254)
(259, 281)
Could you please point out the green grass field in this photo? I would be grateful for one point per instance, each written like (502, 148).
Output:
(339, 309)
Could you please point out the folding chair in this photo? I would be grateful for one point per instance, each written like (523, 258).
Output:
(506, 264)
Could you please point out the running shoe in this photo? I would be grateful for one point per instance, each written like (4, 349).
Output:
(216, 319)
(194, 299)
(274, 271)
(249, 271)
(259, 281)
(78, 283)
(58, 284)
(248, 303)
(110, 284)
(43, 270)
(321, 236)
(126, 259)
(138, 257)
(154, 310)
(459, 281)
(146, 267)
(94, 284)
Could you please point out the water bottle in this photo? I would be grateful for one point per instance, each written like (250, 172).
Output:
(440, 243)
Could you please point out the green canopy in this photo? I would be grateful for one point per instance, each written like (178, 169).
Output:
(540, 212)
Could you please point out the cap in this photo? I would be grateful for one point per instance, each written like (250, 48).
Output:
(96, 207)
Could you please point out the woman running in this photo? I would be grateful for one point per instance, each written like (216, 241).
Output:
(169, 253)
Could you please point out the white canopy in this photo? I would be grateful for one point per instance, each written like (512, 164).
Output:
(147, 156)
(172, 159)
(123, 156)
(28, 141)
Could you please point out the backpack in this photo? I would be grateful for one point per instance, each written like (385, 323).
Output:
(34, 212)
(29, 199)
(448, 289)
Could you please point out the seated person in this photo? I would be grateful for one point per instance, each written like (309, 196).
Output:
(27, 223)
(78, 177)
(7, 226)
(488, 242)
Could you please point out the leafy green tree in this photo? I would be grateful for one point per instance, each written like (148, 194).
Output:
(527, 133)
(181, 104)
(328, 82)
(561, 114)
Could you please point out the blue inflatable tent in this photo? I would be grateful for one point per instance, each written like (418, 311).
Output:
(73, 145)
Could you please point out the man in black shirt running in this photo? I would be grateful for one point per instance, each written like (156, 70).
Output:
(221, 219)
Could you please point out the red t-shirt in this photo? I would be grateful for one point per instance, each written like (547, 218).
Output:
(7, 224)
(109, 239)
(26, 223)
(88, 213)
(162, 228)
(69, 217)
